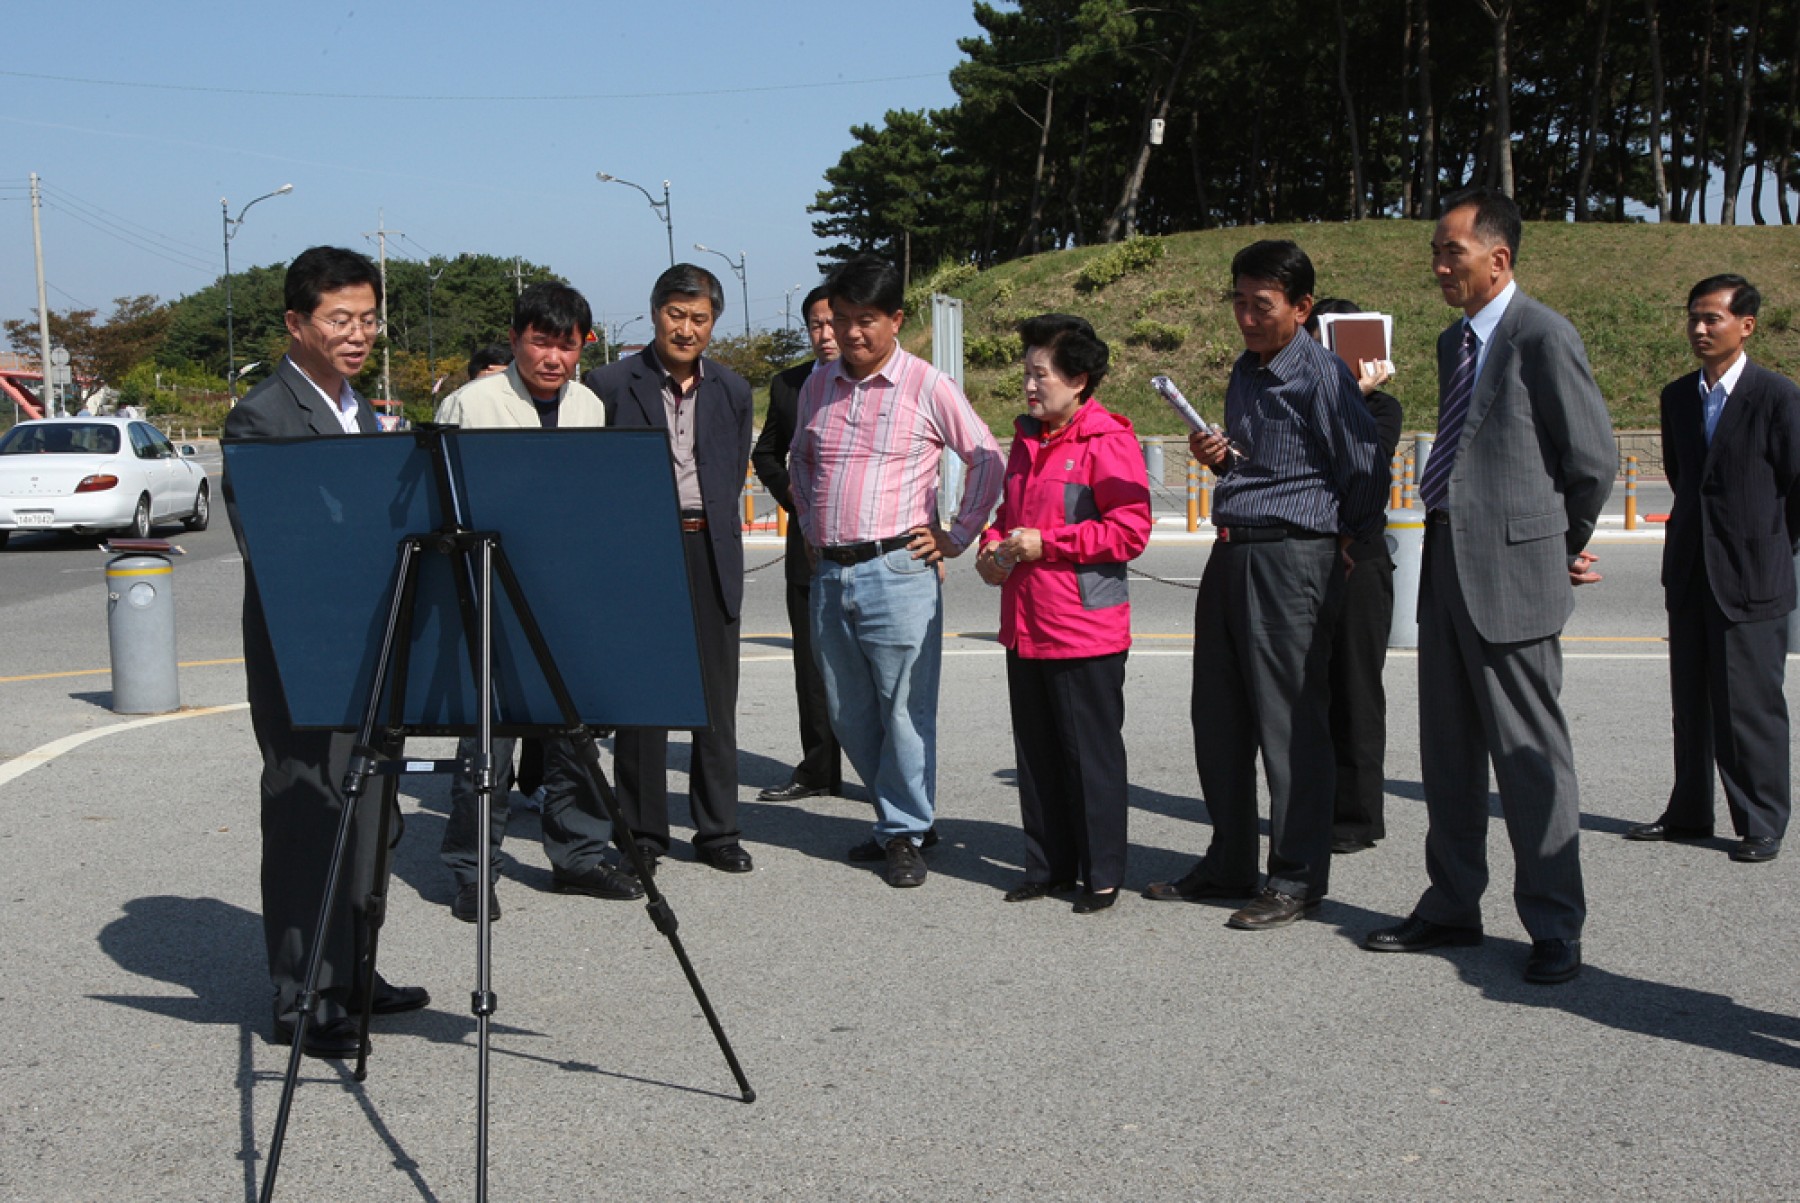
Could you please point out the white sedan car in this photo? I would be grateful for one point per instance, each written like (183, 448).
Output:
(97, 475)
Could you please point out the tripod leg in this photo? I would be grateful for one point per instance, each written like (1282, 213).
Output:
(374, 913)
(661, 914)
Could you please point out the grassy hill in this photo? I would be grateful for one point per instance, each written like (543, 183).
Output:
(1623, 286)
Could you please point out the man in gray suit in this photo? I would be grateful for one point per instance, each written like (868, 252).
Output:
(333, 300)
(1524, 460)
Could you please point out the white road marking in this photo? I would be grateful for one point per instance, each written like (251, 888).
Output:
(43, 754)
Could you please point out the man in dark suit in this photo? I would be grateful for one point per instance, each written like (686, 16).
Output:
(333, 319)
(1731, 443)
(1524, 460)
(705, 408)
(820, 770)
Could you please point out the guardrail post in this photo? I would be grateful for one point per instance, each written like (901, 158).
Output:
(1193, 494)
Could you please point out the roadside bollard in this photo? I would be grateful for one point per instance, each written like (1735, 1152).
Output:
(1193, 495)
(1631, 478)
(1206, 488)
(1153, 462)
(781, 521)
(140, 627)
(1407, 477)
(749, 497)
(1422, 445)
(1406, 544)
(1396, 475)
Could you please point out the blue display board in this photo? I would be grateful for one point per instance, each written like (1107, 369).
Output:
(589, 520)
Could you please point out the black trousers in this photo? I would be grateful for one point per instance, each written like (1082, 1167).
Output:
(1262, 652)
(1068, 721)
(821, 761)
(1358, 702)
(1729, 710)
(640, 754)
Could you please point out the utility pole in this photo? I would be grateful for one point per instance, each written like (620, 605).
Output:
(518, 277)
(47, 396)
(381, 233)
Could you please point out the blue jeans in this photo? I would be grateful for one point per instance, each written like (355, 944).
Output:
(878, 633)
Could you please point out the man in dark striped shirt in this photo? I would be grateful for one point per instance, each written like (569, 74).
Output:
(1300, 479)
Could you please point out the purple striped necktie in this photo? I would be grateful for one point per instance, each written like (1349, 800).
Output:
(1434, 487)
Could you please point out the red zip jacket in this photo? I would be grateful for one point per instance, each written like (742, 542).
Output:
(1085, 490)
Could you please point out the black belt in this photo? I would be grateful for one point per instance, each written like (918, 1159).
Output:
(862, 553)
(1265, 534)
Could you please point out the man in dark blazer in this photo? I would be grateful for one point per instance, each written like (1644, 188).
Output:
(333, 319)
(1731, 444)
(1524, 459)
(820, 770)
(705, 408)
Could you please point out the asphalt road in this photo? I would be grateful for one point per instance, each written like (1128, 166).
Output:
(935, 1043)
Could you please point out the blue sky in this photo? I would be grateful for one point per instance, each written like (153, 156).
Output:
(468, 127)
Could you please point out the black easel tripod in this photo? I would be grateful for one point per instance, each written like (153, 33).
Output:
(477, 557)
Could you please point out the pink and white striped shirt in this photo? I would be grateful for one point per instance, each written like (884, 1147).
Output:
(864, 461)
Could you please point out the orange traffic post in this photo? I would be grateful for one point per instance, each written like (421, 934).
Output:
(1396, 467)
(1631, 478)
(1406, 487)
(749, 497)
(781, 521)
(1206, 488)
(1193, 495)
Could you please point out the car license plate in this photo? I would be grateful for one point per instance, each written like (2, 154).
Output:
(32, 517)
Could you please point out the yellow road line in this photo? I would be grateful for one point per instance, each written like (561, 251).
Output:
(96, 672)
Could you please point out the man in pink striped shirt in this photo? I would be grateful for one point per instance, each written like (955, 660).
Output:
(870, 434)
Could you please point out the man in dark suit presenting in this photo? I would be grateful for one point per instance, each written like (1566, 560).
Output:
(820, 770)
(333, 319)
(705, 408)
(1524, 460)
(1731, 443)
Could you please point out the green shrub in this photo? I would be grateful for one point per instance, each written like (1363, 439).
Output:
(1777, 318)
(1158, 336)
(1165, 298)
(1109, 267)
(946, 277)
(992, 351)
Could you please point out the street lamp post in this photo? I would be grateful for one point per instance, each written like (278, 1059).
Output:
(616, 332)
(787, 307)
(659, 207)
(743, 278)
(431, 279)
(231, 229)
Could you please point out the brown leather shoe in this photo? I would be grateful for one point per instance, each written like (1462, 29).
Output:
(1271, 909)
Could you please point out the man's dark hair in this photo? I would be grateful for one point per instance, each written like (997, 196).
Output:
(1279, 260)
(868, 280)
(1328, 305)
(552, 308)
(687, 280)
(323, 269)
(1496, 216)
(494, 355)
(1074, 347)
(813, 298)
(1745, 300)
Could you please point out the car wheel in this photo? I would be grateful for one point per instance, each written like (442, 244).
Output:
(202, 510)
(4, 536)
(140, 519)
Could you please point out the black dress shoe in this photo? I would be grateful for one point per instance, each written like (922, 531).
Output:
(872, 850)
(793, 791)
(652, 854)
(1192, 887)
(468, 901)
(1651, 833)
(599, 880)
(1038, 889)
(1271, 909)
(1091, 903)
(392, 1000)
(1347, 845)
(1417, 935)
(332, 1039)
(1553, 961)
(1756, 848)
(727, 858)
(905, 867)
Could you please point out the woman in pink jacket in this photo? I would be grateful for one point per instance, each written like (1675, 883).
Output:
(1076, 507)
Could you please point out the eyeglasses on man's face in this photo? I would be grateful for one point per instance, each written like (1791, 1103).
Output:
(368, 323)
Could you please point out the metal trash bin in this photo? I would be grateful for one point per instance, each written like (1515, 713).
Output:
(1406, 544)
(1153, 462)
(140, 627)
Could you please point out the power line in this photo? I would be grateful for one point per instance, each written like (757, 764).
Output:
(190, 264)
(68, 197)
(464, 96)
